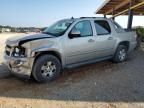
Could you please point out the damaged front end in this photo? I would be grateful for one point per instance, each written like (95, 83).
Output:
(17, 58)
(19, 55)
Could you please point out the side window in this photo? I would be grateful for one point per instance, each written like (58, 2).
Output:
(118, 28)
(102, 27)
(84, 27)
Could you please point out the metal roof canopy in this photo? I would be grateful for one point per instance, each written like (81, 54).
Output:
(122, 7)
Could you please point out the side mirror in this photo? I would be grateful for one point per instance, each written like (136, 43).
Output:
(74, 34)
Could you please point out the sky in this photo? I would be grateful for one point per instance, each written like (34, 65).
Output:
(42, 13)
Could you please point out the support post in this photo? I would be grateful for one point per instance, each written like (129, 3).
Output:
(130, 17)
(104, 15)
(113, 12)
(113, 18)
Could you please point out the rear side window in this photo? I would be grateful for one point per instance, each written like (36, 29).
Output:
(116, 25)
(102, 27)
(118, 28)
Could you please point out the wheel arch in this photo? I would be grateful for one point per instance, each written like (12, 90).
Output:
(54, 53)
(125, 43)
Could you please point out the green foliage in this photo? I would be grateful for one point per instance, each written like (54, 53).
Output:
(140, 32)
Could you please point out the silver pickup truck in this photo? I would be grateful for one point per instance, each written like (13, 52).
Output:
(66, 44)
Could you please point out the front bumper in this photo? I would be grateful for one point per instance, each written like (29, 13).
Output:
(20, 67)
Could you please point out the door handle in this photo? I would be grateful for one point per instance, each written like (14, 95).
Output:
(91, 40)
(110, 38)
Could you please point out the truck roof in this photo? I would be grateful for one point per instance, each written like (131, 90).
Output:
(89, 18)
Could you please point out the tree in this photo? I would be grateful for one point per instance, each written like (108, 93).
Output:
(140, 32)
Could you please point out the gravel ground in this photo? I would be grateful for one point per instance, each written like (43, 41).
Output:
(100, 85)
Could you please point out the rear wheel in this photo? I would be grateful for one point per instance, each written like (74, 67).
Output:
(121, 54)
(46, 68)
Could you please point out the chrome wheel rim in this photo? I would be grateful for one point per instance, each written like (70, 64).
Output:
(122, 55)
(48, 69)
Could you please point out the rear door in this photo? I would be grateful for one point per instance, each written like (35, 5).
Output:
(105, 39)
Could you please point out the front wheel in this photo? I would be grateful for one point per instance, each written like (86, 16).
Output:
(121, 54)
(46, 68)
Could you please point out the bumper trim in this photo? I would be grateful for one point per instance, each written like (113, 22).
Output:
(22, 71)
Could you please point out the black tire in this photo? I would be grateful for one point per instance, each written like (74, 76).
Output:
(42, 75)
(117, 58)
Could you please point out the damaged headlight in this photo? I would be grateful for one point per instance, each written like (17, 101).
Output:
(19, 52)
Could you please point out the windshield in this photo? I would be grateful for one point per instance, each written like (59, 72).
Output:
(59, 28)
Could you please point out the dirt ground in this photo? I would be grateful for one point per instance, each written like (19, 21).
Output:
(100, 85)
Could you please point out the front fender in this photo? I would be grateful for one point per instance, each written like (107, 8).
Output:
(49, 50)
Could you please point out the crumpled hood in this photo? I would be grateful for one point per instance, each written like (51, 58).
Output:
(26, 38)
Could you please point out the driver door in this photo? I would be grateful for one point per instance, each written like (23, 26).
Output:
(80, 49)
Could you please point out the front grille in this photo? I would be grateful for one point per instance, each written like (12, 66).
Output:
(7, 53)
(8, 50)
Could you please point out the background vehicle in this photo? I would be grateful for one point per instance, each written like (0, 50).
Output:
(66, 44)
